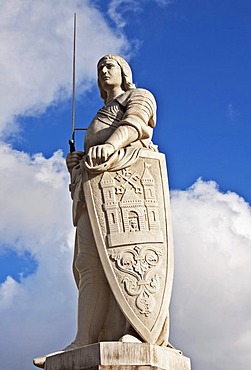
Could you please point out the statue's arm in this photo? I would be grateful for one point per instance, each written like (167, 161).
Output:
(121, 137)
(73, 166)
(73, 159)
(137, 124)
(138, 120)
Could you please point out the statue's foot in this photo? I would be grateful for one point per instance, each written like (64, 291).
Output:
(128, 338)
(40, 361)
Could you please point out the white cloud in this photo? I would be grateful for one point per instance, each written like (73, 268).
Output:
(8, 292)
(164, 2)
(30, 193)
(36, 52)
(118, 10)
(37, 314)
(212, 294)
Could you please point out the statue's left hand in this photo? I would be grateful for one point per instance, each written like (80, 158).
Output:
(73, 159)
(99, 153)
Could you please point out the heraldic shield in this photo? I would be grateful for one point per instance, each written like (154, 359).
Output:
(130, 216)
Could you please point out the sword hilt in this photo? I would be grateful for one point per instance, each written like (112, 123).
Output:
(72, 146)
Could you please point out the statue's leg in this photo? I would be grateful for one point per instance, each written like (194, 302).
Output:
(93, 301)
(116, 326)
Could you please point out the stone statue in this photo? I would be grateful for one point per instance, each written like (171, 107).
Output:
(123, 259)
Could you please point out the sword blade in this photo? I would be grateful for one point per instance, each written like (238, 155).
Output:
(71, 142)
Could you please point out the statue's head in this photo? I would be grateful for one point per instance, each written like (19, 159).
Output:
(126, 73)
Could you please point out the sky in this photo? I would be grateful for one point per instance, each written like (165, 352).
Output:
(195, 58)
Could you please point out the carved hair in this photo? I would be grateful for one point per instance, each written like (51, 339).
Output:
(126, 72)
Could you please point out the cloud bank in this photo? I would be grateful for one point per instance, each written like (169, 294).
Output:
(36, 206)
(212, 293)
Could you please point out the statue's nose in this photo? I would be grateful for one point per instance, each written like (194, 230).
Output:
(104, 70)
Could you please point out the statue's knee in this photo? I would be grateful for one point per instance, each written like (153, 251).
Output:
(80, 262)
(85, 262)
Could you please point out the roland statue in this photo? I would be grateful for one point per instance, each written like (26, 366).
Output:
(123, 258)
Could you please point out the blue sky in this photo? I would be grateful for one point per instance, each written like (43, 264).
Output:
(195, 57)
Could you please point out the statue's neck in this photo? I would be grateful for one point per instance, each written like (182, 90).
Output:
(112, 94)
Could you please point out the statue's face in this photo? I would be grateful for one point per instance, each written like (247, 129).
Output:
(109, 74)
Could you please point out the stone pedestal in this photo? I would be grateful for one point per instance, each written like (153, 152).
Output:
(119, 356)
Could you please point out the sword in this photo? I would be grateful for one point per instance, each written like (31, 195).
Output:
(72, 141)
(73, 129)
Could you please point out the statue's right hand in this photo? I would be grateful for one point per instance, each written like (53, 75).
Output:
(72, 159)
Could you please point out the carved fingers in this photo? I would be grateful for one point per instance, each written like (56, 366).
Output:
(99, 153)
(73, 159)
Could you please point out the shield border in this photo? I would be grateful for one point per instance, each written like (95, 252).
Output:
(152, 335)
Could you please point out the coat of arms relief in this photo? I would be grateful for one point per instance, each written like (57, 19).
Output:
(134, 236)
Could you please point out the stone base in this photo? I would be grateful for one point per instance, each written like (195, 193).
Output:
(119, 356)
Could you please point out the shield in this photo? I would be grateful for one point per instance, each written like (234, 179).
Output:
(129, 211)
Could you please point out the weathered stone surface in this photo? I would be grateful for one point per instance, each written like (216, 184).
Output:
(123, 261)
(123, 258)
(119, 356)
